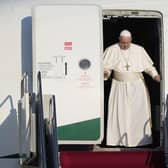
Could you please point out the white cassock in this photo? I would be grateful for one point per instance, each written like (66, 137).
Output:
(129, 111)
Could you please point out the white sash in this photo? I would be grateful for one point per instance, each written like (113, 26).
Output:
(127, 76)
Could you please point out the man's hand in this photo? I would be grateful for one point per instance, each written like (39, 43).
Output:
(106, 75)
(157, 78)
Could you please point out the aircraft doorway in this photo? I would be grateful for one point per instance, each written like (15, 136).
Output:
(145, 27)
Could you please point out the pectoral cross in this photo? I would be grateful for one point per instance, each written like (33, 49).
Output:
(127, 66)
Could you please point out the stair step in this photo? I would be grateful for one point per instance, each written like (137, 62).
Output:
(122, 159)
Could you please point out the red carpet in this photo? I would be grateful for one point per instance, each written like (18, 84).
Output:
(124, 159)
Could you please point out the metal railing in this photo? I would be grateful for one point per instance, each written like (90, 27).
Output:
(52, 135)
(40, 126)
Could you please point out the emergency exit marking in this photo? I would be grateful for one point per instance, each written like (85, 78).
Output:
(67, 45)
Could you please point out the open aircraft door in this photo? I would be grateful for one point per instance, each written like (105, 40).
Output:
(67, 50)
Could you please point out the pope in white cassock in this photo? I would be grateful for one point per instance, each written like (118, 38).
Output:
(129, 112)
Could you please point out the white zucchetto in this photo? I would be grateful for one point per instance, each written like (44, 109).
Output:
(125, 33)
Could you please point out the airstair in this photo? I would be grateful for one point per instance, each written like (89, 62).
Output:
(38, 135)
